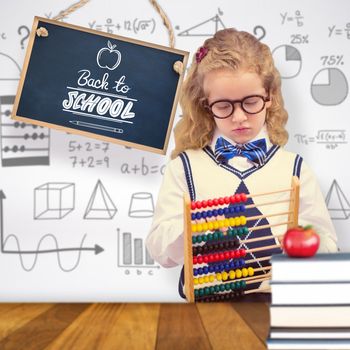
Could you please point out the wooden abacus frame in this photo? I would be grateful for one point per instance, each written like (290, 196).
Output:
(188, 253)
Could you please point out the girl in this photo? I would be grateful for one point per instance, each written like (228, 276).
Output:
(229, 141)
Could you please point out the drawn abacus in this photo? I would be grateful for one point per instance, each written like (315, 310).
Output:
(20, 145)
(212, 238)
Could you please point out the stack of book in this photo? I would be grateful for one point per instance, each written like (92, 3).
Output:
(310, 304)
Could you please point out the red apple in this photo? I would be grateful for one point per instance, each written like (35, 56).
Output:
(301, 241)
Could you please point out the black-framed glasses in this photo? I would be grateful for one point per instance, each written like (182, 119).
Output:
(252, 104)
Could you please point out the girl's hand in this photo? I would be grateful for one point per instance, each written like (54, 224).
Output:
(280, 240)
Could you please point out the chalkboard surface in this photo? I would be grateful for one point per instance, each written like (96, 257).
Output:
(101, 85)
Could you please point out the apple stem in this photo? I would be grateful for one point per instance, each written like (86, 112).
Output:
(307, 227)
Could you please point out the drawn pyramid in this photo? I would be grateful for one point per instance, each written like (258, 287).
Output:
(100, 205)
(337, 204)
(206, 28)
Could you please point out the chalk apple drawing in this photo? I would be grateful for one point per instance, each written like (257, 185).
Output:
(110, 50)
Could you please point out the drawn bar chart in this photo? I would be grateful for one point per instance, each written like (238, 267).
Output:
(133, 252)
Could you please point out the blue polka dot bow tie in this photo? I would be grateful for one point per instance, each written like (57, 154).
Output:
(254, 151)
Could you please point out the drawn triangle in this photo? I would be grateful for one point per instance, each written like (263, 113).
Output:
(206, 28)
(337, 203)
(100, 205)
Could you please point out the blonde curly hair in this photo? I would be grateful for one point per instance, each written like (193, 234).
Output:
(236, 50)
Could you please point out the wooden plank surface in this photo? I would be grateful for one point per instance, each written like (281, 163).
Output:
(134, 326)
(97, 319)
(14, 316)
(180, 327)
(225, 327)
(257, 316)
(102, 326)
(43, 329)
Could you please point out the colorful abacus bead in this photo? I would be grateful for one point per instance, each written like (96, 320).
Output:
(220, 297)
(237, 221)
(232, 286)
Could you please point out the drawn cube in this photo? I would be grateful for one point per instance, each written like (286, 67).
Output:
(53, 200)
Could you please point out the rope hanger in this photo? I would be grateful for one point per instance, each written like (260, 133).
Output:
(178, 66)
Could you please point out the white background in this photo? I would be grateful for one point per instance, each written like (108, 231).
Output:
(320, 31)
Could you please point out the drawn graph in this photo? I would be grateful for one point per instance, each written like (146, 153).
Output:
(36, 252)
(132, 252)
(337, 203)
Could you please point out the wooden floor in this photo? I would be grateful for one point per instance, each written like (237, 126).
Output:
(134, 326)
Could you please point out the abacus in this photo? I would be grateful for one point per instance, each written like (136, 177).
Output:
(215, 269)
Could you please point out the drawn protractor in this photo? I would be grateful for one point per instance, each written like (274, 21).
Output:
(329, 87)
(10, 69)
(288, 61)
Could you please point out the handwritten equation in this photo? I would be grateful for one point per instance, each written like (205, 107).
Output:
(89, 162)
(74, 146)
(330, 138)
(135, 25)
(297, 18)
(80, 154)
(142, 168)
(334, 31)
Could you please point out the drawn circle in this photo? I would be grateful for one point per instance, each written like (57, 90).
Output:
(329, 87)
(10, 69)
(287, 60)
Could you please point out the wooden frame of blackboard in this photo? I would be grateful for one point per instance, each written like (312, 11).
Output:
(32, 37)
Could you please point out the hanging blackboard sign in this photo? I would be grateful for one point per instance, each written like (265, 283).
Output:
(101, 85)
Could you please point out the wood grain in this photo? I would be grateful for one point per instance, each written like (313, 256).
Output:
(256, 315)
(198, 326)
(136, 328)
(180, 327)
(14, 316)
(42, 329)
(89, 329)
(225, 328)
